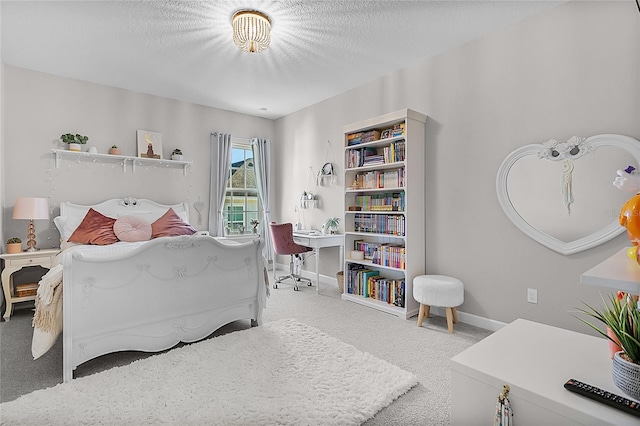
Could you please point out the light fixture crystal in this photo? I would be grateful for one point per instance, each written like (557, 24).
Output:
(251, 30)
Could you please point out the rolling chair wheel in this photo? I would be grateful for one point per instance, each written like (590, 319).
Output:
(275, 286)
(296, 288)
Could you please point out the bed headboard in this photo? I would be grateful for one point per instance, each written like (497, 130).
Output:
(118, 207)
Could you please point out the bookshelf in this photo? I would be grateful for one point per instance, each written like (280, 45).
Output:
(384, 214)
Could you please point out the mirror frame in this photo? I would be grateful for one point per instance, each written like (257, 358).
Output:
(629, 144)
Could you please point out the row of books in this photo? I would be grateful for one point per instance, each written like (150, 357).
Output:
(392, 153)
(390, 224)
(362, 137)
(380, 179)
(392, 255)
(388, 201)
(356, 157)
(369, 283)
(368, 248)
(25, 289)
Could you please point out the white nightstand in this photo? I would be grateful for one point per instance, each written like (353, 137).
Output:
(15, 262)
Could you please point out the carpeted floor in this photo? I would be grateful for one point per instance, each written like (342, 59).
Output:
(425, 351)
(284, 372)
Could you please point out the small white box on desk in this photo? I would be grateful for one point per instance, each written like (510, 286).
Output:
(535, 360)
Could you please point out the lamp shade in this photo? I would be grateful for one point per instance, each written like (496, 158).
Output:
(31, 208)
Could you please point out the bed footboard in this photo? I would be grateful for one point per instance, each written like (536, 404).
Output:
(170, 290)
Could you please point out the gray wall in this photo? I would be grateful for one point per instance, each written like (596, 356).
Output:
(40, 107)
(572, 71)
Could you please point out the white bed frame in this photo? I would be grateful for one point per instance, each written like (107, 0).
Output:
(169, 290)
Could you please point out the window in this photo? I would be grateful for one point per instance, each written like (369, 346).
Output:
(241, 203)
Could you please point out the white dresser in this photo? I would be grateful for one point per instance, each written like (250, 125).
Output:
(535, 360)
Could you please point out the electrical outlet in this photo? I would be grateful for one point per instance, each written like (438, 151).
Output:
(532, 295)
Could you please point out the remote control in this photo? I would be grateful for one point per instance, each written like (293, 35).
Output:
(615, 401)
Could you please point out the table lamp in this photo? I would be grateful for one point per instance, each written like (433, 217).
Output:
(31, 208)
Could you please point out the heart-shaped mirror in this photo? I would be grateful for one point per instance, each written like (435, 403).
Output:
(561, 193)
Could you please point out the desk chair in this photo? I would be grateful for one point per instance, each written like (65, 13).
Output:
(283, 244)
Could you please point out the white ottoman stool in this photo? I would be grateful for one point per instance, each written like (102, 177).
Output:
(438, 290)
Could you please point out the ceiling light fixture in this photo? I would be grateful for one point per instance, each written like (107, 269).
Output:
(251, 30)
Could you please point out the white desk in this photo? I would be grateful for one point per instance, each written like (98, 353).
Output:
(618, 272)
(316, 242)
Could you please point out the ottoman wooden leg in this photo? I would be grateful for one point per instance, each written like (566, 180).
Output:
(420, 315)
(455, 315)
(450, 319)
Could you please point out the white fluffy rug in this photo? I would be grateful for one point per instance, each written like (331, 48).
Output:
(283, 372)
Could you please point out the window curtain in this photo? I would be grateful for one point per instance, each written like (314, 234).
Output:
(262, 159)
(220, 163)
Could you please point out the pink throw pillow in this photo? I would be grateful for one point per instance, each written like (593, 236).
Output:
(96, 229)
(170, 225)
(132, 229)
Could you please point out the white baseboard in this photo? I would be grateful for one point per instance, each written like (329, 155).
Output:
(325, 279)
(475, 320)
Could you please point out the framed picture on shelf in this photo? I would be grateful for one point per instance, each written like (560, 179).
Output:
(149, 144)
(385, 134)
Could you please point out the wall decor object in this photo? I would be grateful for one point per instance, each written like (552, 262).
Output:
(561, 193)
(149, 144)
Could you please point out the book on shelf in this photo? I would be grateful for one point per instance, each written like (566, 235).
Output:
(398, 129)
(358, 279)
(386, 290)
(391, 255)
(389, 224)
(368, 248)
(358, 157)
(399, 294)
(363, 137)
(369, 283)
(376, 179)
(26, 289)
(388, 201)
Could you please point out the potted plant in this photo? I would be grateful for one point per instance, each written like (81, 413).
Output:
(14, 245)
(254, 223)
(74, 141)
(114, 150)
(621, 316)
(177, 155)
(331, 225)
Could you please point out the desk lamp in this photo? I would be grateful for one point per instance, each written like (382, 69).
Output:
(31, 208)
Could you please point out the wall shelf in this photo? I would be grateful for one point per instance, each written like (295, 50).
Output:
(128, 162)
(618, 272)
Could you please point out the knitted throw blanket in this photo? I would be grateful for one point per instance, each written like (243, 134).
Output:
(48, 299)
(45, 317)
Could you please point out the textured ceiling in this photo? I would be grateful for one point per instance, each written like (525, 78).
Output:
(183, 49)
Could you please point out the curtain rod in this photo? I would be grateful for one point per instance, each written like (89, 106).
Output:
(234, 137)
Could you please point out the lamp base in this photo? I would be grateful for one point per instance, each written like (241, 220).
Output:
(31, 237)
